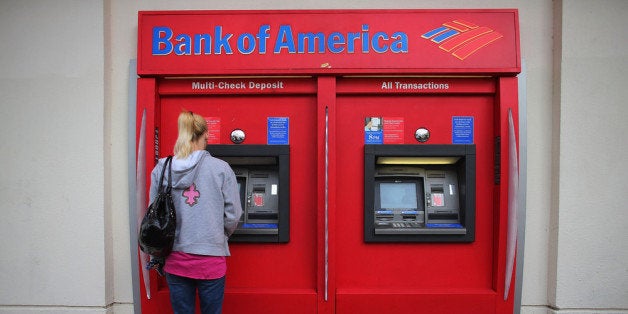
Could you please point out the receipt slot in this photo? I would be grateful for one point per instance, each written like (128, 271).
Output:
(419, 193)
(263, 173)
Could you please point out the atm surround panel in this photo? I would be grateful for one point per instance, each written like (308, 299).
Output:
(440, 178)
(263, 175)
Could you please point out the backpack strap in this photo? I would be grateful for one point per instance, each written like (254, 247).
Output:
(167, 164)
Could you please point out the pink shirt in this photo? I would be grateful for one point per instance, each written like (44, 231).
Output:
(196, 266)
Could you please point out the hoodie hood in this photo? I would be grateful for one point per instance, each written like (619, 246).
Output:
(184, 170)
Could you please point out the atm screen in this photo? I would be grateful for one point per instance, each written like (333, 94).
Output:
(399, 194)
(242, 189)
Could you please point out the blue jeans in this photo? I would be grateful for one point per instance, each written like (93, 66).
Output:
(183, 294)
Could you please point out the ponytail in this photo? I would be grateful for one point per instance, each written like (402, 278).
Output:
(191, 127)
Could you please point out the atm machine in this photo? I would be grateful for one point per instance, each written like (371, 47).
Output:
(262, 172)
(419, 193)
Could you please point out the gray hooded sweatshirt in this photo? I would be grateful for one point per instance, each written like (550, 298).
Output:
(207, 201)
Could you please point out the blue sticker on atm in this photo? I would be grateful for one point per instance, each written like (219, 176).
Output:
(433, 225)
(278, 131)
(462, 130)
(373, 133)
(373, 137)
(260, 226)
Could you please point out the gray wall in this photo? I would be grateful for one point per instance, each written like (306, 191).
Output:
(54, 226)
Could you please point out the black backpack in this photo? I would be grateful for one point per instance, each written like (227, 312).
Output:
(156, 235)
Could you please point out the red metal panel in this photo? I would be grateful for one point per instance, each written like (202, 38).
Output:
(326, 165)
(269, 301)
(368, 277)
(148, 101)
(304, 42)
(283, 275)
(424, 302)
(454, 268)
(506, 99)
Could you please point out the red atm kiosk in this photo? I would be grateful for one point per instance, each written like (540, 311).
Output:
(371, 148)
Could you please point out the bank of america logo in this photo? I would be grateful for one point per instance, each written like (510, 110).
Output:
(461, 38)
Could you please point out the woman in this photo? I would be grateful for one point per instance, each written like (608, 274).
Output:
(207, 201)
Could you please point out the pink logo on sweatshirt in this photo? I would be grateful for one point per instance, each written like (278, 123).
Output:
(192, 195)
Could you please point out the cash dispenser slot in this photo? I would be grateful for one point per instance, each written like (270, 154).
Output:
(410, 216)
(384, 215)
(272, 217)
(447, 217)
(262, 172)
(419, 193)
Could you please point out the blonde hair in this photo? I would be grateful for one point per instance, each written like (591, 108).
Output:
(191, 127)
